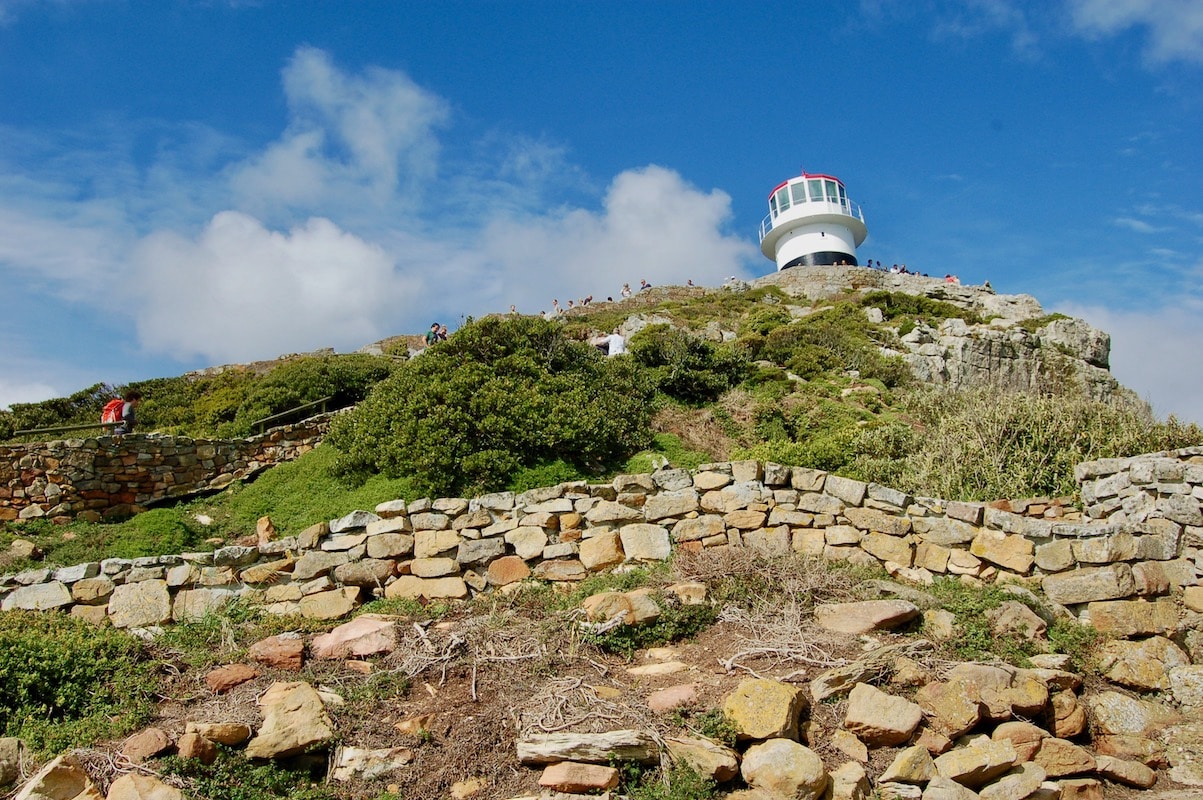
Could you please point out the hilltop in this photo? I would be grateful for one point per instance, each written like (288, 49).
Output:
(487, 461)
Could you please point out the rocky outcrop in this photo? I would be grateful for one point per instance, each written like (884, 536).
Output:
(1010, 350)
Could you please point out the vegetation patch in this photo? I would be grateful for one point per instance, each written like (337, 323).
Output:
(235, 777)
(67, 683)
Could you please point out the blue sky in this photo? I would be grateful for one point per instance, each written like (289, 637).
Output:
(201, 182)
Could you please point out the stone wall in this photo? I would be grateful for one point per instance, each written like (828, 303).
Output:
(455, 547)
(108, 475)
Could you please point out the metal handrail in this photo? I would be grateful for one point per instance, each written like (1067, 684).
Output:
(261, 424)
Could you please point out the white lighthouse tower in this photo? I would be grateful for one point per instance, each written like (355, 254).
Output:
(812, 222)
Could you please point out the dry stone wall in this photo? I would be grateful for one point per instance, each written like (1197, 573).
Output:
(455, 547)
(111, 475)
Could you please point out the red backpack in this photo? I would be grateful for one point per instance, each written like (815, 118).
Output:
(112, 410)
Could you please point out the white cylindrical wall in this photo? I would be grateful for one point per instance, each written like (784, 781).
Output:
(815, 238)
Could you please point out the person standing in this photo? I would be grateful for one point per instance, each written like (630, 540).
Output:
(129, 412)
(432, 335)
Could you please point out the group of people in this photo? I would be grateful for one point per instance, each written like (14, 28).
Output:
(438, 333)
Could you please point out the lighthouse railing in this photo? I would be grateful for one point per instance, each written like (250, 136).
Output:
(846, 207)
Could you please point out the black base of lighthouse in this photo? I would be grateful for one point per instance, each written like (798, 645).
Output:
(827, 258)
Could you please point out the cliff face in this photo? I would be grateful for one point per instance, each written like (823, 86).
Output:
(1007, 351)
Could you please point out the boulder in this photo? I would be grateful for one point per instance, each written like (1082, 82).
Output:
(575, 777)
(366, 635)
(294, 719)
(708, 758)
(1143, 665)
(980, 762)
(133, 786)
(765, 709)
(62, 779)
(784, 767)
(283, 651)
(865, 616)
(879, 719)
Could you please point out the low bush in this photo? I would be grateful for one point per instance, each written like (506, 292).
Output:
(67, 683)
(234, 777)
(684, 367)
(500, 396)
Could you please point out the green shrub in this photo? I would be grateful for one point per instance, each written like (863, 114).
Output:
(897, 305)
(679, 782)
(499, 396)
(676, 622)
(235, 777)
(67, 683)
(685, 367)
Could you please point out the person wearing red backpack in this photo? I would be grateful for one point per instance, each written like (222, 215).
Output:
(123, 410)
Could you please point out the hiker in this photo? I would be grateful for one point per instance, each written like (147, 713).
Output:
(432, 335)
(612, 345)
(442, 333)
(123, 410)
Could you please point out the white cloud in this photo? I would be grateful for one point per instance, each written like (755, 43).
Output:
(1138, 225)
(1156, 354)
(348, 135)
(1174, 27)
(18, 391)
(317, 239)
(240, 291)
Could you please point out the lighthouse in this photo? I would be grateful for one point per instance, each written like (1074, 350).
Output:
(812, 222)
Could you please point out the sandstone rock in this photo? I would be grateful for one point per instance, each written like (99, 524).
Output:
(430, 588)
(912, 765)
(436, 567)
(93, 591)
(1127, 618)
(478, 552)
(708, 758)
(980, 762)
(506, 570)
(139, 605)
(1023, 736)
(144, 744)
(568, 569)
(1069, 716)
(849, 782)
(785, 767)
(1020, 782)
(223, 679)
(330, 605)
(134, 786)
(596, 748)
(703, 527)
(283, 651)
(676, 503)
(673, 697)
(1060, 758)
(361, 763)
(571, 776)
(61, 779)
(230, 734)
(849, 745)
(1129, 773)
(1090, 584)
(1142, 665)
(1002, 692)
(353, 521)
(528, 542)
(367, 572)
(1186, 684)
(315, 563)
(765, 709)
(1184, 751)
(1131, 748)
(366, 635)
(645, 542)
(600, 552)
(862, 617)
(951, 709)
(1117, 714)
(1081, 789)
(879, 719)
(196, 747)
(389, 545)
(12, 751)
(941, 788)
(1014, 618)
(1013, 552)
(294, 719)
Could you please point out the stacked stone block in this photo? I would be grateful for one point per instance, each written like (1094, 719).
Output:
(107, 475)
(456, 547)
